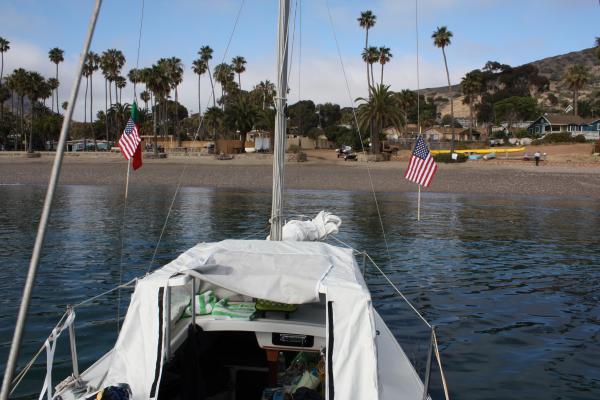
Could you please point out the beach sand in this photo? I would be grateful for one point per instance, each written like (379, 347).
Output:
(323, 171)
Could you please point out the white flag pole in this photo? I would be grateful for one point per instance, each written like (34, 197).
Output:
(127, 179)
(419, 204)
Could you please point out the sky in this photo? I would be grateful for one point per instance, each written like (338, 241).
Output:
(509, 31)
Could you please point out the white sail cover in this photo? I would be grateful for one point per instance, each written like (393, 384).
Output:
(323, 225)
(288, 272)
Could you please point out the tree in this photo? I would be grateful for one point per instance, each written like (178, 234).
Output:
(223, 74)
(173, 68)
(471, 85)
(36, 87)
(441, 39)
(576, 78)
(135, 77)
(366, 21)
(205, 54)
(145, 97)
(4, 47)
(214, 119)
(407, 100)
(158, 82)
(264, 92)
(370, 55)
(199, 67)
(241, 115)
(120, 83)
(19, 81)
(111, 63)
(56, 56)
(92, 63)
(385, 55)
(381, 108)
(239, 66)
(303, 116)
(329, 114)
(516, 108)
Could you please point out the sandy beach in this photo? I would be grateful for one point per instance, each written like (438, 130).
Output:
(322, 171)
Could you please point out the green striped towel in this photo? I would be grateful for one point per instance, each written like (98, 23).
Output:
(240, 310)
(205, 303)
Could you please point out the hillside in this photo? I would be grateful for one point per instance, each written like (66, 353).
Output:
(553, 68)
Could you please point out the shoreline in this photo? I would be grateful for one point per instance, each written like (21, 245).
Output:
(253, 172)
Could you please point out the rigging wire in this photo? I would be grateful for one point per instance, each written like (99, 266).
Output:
(137, 62)
(387, 248)
(418, 69)
(235, 24)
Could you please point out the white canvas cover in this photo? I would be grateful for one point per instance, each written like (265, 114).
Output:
(323, 225)
(287, 272)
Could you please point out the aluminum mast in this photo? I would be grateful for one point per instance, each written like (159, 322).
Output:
(280, 122)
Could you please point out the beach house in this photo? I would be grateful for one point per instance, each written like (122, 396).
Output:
(575, 125)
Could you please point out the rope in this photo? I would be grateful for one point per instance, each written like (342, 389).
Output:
(122, 245)
(167, 217)
(235, 24)
(439, 360)
(124, 285)
(418, 73)
(358, 130)
(137, 62)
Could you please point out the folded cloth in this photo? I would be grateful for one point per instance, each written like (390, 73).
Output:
(205, 303)
(241, 310)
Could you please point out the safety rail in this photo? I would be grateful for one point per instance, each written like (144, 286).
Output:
(433, 347)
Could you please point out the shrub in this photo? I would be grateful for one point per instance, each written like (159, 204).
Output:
(447, 158)
(294, 148)
(580, 139)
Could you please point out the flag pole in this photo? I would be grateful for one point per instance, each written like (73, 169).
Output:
(127, 179)
(419, 204)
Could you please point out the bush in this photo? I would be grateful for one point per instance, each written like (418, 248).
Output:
(560, 137)
(580, 139)
(294, 148)
(447, 158)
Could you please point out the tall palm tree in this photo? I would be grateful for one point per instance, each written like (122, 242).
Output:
(158, 82)
(19, 80)
(385, 55)
(145, 97)
(266, 90)
(92, 63)
(199, 68)
(4, 47)
(370, 56)
(442, 38)
(576, 78)
(36, 87)
(173, 68)
(381, 109)
(239, 66)
(406, 99)
(471, 85)
(223, 74)
(135, 77)
(214, 119)
(120, 83)
(56, 56)
(112, 62)
(205, 54)
(366, 21)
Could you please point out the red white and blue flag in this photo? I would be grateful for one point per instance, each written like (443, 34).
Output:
(130, 140)
(422, 167)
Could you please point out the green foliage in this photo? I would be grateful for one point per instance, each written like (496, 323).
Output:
(303, 116)
(516, 108)
(560, 137)
(524, 133)
(447, 158)
(447, 121)
(329, 114)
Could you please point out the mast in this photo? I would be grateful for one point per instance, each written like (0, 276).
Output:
(280, 121)
(39, 239)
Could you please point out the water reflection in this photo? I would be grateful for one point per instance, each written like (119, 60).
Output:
(511, 282)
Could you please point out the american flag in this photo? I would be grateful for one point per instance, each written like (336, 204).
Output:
(422, 167)
(130, 139)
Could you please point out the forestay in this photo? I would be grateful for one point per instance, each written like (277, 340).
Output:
(287, 272)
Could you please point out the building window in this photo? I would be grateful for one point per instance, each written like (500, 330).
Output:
(555, 128)
(538, 129)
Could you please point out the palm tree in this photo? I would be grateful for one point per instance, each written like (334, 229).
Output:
(56, 56)
(135, 77)
(266, 90)
(111, 62)
(441, 39)
(471, 85)
(385, 55)
(145, 97)
(370, 56)
(367, 20)
(4, 47)
(205, 54)
(241, 115)
(239, 66)
(381, 109)
(576, 78)
(214, 119)
(173, 68)
(92, 65)
(223, 74)
(19, 80)
(36, 87)
(158, 82)
(406, 99)
(199, 68)
(120, 83)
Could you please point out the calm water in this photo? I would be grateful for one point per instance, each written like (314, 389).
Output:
(513, 283)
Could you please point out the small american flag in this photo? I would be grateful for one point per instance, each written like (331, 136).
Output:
(422, 167)
(130, 139)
